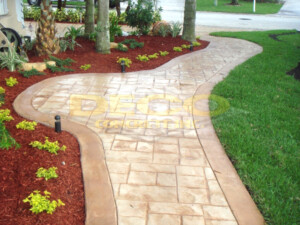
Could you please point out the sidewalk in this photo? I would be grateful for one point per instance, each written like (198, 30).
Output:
(157, 174)
(287, 18)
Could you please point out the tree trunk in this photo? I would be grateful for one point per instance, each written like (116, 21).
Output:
(46, 42)
(118, 8)
(102, 40)
(234, 2)
(59, 4)
(188, 33)
(89, 20)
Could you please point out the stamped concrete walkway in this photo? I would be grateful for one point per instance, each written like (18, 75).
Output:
(163, 158)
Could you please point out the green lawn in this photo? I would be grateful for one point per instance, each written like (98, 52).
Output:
(244, 7)
(261, 130)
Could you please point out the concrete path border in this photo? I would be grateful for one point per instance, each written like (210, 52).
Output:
(239, 200)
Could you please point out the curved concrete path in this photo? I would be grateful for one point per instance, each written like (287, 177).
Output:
(160, 153)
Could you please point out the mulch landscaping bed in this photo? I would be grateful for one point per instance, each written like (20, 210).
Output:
(18, 167)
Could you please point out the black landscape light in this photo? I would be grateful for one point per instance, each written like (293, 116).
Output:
(57, 124)
(191, 47)
(123, 66)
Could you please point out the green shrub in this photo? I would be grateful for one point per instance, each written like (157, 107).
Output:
(140, 15)
(2, 90)
(36, 13)
(61, 15)
(175, 29)
(153, 56)
(2, 96)
(28, 45)
(7, 141)
(163, 30)
(134, 33)
(62, 62)
(69, 42)
(122, 48)
(52, 147)
(74, 15)
(47, 173)
(65, 44)
(163, 53)
(133, 43)
(40, 203)
(142, 58)
(114, 28)
(27, 12)
(56, 69)
(31, 72)
(185, 46)
(26, 125)
(196, 43)
(85, 67)
(177, 49)
(127, 61)
(5, 115)
(157, 16)
(73, 32)
(11, 81)
(10, 59)
(93, 36)
(122, 17)
(32, 13)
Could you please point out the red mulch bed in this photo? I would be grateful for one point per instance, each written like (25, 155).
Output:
(18, 167)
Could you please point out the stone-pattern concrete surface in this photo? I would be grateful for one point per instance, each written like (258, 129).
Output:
(158, 169)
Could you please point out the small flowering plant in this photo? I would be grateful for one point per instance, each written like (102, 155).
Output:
(11, 81)
(52, 147)
(26, 125)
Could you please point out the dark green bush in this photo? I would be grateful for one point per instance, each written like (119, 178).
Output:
(32, 72)
(133, 43)
(122, 48)
(141, 15)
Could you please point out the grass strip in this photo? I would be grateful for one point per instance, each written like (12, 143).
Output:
(261, 130)
(243, 7)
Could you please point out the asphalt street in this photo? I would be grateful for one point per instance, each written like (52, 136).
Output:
(287, 18)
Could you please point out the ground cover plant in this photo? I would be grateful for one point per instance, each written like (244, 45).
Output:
(243, 7)
(26, 125)
(260, 131)
(18, 166)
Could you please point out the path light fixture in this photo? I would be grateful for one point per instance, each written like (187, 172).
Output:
(191, 47)
(57, 124)
(123, 66)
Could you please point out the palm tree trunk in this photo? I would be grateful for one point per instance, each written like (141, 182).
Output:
(102, 40)
(89, 17)
(118, 7)
(188, 33)
(46, 42)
